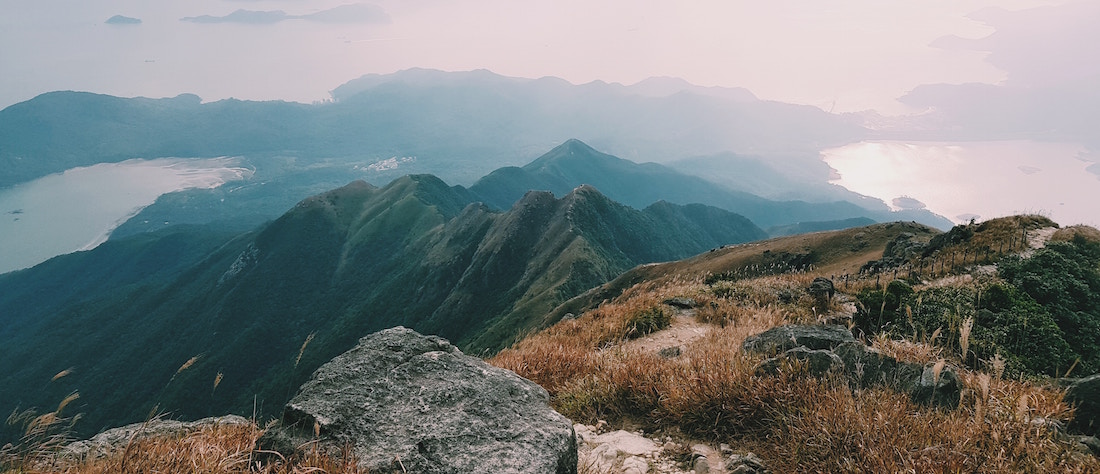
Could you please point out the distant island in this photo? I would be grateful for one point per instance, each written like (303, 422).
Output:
(122, 20)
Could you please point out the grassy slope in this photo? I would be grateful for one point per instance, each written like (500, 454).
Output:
(796, 423)
(338, 266)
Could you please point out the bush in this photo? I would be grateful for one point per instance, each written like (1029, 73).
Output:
(1006, 321)
(880, 309)
(652, 319)
(1064, 280)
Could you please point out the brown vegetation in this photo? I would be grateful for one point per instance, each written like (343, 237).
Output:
(214, 449)
(795, 422)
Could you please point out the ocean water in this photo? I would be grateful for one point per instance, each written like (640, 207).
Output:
(78, 209)
(980, 180)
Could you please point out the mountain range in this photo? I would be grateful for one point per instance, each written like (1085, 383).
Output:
(416, 252)
(457, 126)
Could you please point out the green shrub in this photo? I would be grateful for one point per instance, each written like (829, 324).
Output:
(654, 318)
(1064, 280)
(881, 309)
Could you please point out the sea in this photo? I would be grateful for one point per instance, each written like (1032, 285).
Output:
(77, 209)
(975, 180)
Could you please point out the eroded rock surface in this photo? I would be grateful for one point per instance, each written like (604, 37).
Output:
(404, 402)
(825, 349)
(789, 336)
(116, 439)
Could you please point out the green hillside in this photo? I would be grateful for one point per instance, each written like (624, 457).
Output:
(337, 266)
(640, 184)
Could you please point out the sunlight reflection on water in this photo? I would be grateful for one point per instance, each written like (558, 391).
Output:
(960, 180)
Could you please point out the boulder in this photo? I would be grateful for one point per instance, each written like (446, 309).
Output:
(404, 402)
(116, 439)
(1090, 442)
(868, 367)
(1085, 395)
(828, 348)
(746, 464)
(783, 338)
(822, 290)
(943, 389)
(818, 363)
(671, 352)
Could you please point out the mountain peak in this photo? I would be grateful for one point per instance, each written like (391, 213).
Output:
(574, 145)
(570, 150)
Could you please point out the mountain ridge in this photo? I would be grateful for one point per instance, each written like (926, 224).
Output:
(416, 252)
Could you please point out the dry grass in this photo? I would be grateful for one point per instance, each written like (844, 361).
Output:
(797, 423)
(1067, 234)
(214, 449)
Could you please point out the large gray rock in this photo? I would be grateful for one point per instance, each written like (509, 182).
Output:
(404, 402)
(115, 439)
(817, 363)
(868, 367)
(783, 338)
(825, 349)
(1085, 395)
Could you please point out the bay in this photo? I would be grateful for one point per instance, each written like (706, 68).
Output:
(77, 209)
(975, 180)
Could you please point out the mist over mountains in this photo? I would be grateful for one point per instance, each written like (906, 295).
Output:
(459, 126)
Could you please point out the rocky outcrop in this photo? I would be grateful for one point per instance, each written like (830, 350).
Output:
(822, 290)
(404, 402)
(825, 349)
(786, 337)
(868, 367)
(818, 362)
(116, 439)
(1084, 394)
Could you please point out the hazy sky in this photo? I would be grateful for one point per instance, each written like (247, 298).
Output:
(841, 55)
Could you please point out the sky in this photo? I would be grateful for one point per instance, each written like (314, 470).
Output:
(839, 55)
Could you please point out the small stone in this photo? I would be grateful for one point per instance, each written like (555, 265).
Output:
(635, 465)
(682, 303)
(725, 449)
(701, 465)
(670, 352)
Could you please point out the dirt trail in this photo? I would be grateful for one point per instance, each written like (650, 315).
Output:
(683, 330)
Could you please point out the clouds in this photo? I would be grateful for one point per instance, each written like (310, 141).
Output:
(1038, 47)
(353, 13)
(1049, 54)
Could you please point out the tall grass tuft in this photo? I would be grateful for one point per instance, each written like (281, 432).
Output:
(964, 335)
(61, 374)
(186, 365)
(302, 350)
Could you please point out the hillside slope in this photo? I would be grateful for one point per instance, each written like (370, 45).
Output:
(639, 184)
(342, 264)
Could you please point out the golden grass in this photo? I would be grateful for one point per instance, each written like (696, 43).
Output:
(710, 393)
(1067, 234)
(795, 422)
(214, 449)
